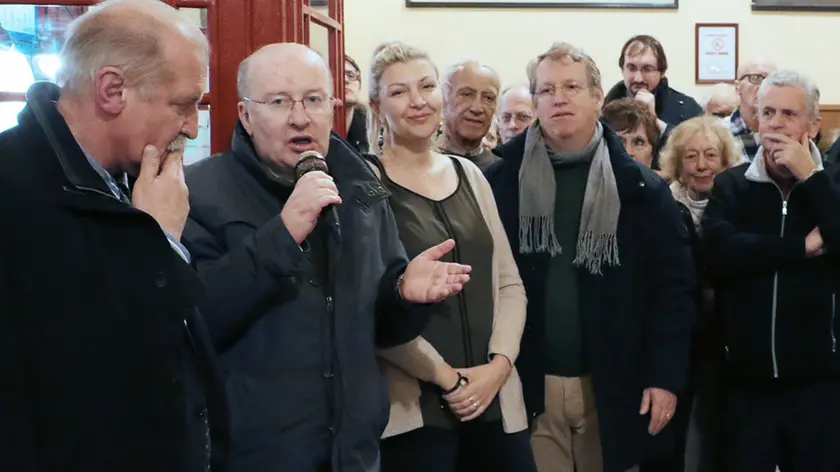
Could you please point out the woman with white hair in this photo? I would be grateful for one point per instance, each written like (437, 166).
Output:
(697, 151)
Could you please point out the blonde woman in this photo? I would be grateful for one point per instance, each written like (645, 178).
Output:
(456, 399)
(697, 151)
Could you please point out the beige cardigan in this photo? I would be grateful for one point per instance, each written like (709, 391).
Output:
(403, 365)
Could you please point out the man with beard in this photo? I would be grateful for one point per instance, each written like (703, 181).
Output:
(643, 67)
(470, 94)
(743, 122)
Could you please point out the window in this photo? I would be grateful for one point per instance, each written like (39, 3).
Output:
(31, 37)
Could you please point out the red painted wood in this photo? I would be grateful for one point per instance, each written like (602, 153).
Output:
(229, 25)
(12, 97)
(192, 3)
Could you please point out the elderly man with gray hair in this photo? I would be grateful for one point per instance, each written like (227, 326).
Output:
(604, 256)
(470, 96)
(771, 232)
(107, 365)
(743, 122)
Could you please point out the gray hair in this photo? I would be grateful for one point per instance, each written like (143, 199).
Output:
(791, 78)
(722, 91)
(467, 64)
(128, 34)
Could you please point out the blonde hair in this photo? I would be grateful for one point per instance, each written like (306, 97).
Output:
(130, 35)
(384, 56)
(670, 160)
(565, 52)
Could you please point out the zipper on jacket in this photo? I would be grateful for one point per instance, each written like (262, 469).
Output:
(833, 322)
(78, 189)
(462, 303)
(776, 292)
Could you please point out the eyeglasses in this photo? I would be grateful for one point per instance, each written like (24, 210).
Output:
(755, 79)
(520, 117)
(352, 75)
(569, 89)
(283, 104)
(633, 68)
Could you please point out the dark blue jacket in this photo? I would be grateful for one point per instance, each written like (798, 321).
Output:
(302, 377)
(636, 317)
(106, 363)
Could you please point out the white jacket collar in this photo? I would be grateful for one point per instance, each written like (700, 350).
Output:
(757, 171)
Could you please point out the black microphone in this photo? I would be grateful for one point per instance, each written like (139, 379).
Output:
(310, 161)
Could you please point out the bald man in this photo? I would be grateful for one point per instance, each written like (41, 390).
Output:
(723, 100)
(744, 121)
(106, 363)
(516, 112)
(323, 287)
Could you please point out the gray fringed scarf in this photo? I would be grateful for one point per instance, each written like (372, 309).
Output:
(597, 244)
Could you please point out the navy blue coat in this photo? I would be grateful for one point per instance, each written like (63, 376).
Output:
(636, 317)
(301, 375)
(106, 363)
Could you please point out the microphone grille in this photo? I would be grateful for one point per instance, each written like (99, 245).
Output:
(310, 161)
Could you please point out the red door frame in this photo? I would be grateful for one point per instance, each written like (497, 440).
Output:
(236, 28)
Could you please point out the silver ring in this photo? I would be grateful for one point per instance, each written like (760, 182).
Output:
(475, 405)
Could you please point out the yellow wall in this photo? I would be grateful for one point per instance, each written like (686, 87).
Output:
(508, 38)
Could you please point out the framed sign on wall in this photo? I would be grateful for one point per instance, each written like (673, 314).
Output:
(716, 52)
(802, 5)
(545, 3)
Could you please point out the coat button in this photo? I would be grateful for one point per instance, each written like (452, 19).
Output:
(160, 280)
(201, 412)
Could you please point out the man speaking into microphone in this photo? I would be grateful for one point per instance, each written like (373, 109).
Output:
(314, 260)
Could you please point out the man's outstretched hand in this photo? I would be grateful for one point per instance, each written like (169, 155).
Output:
(428, 280)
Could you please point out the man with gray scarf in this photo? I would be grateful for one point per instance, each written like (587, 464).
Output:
(605, 260)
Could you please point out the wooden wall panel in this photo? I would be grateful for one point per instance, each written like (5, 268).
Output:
(830, 125)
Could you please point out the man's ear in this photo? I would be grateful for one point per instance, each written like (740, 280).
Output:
(244, 117)
(110, 90)
(814, 129)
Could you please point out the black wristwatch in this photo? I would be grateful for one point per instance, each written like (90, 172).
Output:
(462, 381)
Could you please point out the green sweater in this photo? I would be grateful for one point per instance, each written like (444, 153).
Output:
(564, 337)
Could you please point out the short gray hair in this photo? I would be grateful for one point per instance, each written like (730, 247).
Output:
(791, 78)
(467, 64)
(128, 34)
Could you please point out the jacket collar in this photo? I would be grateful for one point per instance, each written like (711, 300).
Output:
(346, 165)
(757, 171)
(628, 174)
(42, 111)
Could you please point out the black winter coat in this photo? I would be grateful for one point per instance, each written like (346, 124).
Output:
(780, 308)
(672, 107)
(106, 363)
(636, 317)
(302, 376)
